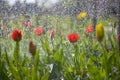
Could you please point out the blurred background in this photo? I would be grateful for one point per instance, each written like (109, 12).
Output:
(12, 8)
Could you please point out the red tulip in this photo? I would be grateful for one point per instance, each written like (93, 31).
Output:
(89, 29)
(38, 31)
(73, 37)
(32, 48)
(23, 22)
(52, 32)
(16, 35)
(29, 24)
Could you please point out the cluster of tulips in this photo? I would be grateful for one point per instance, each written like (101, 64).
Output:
(78, 59)
(58, 55)
(16, 35)
(28, 24)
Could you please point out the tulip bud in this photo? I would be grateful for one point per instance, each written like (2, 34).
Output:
(118, 37)
(32, 48)
(99, 32)
(16, 35)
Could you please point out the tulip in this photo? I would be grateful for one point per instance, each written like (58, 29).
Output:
(73, 37)
(38, 31)
(29, 24)
(99, 32)
(89, 29)
(16, 35)
(23, 22)
(81, 15)
(32, 48)
(52, 32)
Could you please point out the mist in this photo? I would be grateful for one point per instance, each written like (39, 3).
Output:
(48, 3)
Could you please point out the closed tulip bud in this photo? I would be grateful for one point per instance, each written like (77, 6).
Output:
(118, 37)
(99, 32)
(32, 48)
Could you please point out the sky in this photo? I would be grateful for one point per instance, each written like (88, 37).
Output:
(47, 4)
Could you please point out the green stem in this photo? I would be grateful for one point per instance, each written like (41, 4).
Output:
(105, 61)
(17, 58)
(76, 57)
(16, 53)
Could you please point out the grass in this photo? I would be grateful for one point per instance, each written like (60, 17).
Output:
(56, 58)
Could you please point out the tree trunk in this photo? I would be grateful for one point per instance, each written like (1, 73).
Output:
(94, 19)
(94, 13)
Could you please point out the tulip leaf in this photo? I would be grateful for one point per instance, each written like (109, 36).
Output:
(12, 68)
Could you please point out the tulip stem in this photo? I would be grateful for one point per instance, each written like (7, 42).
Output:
(16, 53)
(76, 57)
(105, 61)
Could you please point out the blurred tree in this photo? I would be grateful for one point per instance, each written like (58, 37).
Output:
(40, 11)
(63, 7)
(4, 7)
(94, 19)
(118, 29)
(17, 8)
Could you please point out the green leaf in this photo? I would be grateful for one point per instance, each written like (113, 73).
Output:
(57, 57)
(26, 72)
(12, 68)
(3, 71)
(34, 69)
(46, 76)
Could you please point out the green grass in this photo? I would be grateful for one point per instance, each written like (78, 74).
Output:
(57, 58)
